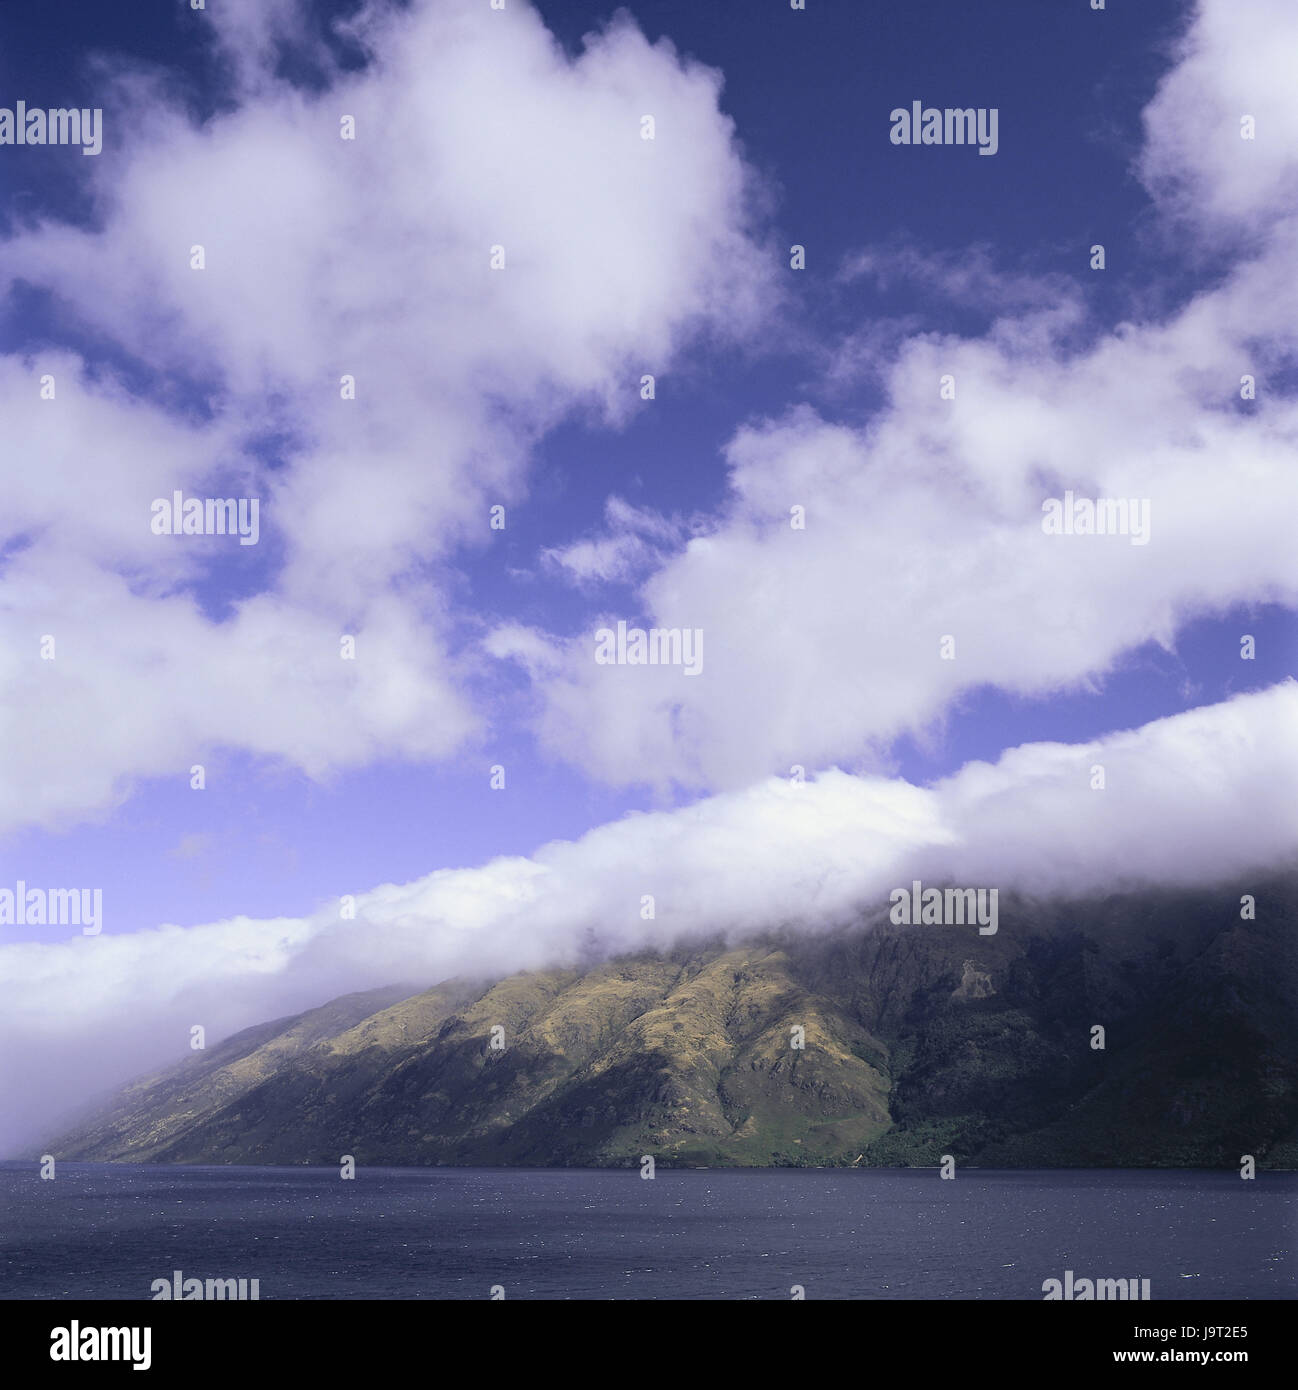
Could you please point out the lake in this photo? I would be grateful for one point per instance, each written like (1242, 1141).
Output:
(100, 1231)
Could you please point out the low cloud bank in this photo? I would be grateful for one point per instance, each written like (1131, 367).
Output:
(1187, 800)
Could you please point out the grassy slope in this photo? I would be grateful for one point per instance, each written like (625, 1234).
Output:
(919, 1042)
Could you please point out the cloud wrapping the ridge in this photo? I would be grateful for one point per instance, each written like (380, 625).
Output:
(371, 257)
(1189, 800)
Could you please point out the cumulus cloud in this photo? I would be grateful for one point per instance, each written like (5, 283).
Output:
(826, 642)
(1233, 65)
(1189, 800)
(327, 257)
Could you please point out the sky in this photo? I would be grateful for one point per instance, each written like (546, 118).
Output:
(873, 364)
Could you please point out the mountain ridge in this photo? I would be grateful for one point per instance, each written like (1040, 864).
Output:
(917, 1041)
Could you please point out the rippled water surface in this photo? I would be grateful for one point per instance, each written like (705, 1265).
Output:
(108, 1231)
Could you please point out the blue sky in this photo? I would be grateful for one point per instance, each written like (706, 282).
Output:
(774, 387)
(810, 94)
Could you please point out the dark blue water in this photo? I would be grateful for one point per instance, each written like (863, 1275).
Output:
(107, 1231)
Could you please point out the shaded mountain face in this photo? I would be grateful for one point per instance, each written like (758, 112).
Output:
(877, 1044)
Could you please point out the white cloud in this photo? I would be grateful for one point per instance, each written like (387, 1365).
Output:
(633, 539)
(1189, 800)
(323, 257)
(823, 643)
(1236, 60)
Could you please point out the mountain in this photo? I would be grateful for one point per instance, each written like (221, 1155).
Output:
(919, 1041)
